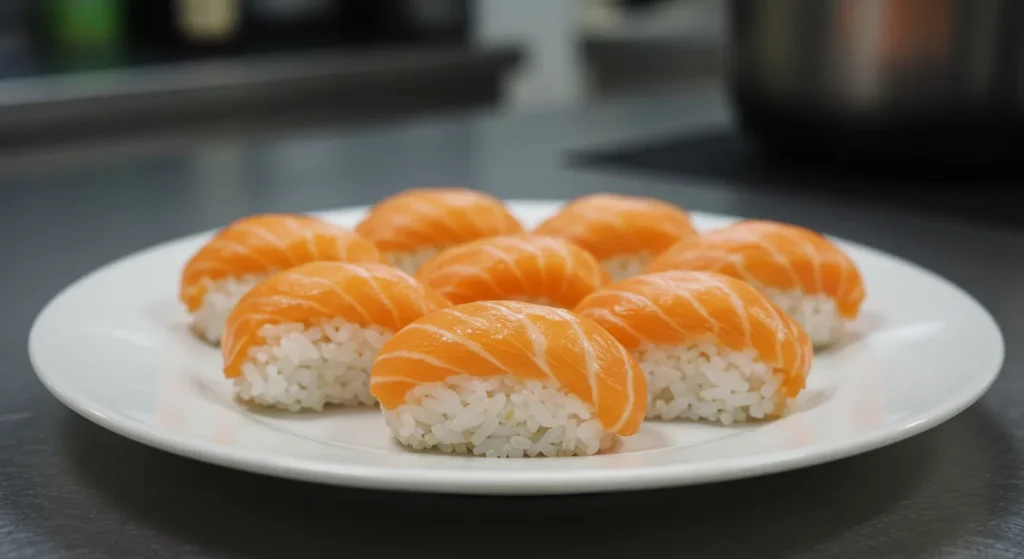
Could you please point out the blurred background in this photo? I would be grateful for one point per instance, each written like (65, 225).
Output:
(898, 82)
(74, 70)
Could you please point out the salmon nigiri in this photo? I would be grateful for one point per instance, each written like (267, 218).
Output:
(307, 336)
(712, 346)
(532, 268)
(623, 232)
(508, 379)
(248, 250)
(802, 271)
(412, 226)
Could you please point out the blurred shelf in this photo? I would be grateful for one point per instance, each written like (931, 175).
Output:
(349, 84)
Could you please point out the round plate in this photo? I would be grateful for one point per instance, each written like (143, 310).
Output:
(115, 347)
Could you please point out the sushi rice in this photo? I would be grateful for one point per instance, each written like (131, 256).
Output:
(625, 266)
(410, 262)
(816, 313)
(705, 381)
(535, 300)
(307, 367)
(220, 298)
(497, 417)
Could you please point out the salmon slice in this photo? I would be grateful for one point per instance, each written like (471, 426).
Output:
(267, 243)
(613, 227)
(680, 309)
(522, 267)
(427, 220)
(367, 294)
(526, 341)
(773, 255)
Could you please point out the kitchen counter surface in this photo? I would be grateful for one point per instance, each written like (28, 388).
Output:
(70, 489)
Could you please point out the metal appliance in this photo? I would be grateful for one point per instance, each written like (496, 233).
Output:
(938, 80)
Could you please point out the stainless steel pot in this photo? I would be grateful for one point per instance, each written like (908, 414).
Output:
(929, 77)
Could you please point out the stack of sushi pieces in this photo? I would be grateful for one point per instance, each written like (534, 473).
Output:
(473, 335)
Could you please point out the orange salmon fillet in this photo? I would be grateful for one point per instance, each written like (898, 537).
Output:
(610, 225)
(510, 267)
(422, 218)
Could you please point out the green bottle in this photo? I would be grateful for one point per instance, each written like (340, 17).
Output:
(81, 23)
(86, 33)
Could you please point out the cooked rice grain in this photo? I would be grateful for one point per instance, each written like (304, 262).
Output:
(410, 262)
(497, 417)
(626, 266)
(221, 297)
(707, 382)
(535, 300)
(300, 367)
(817, 314)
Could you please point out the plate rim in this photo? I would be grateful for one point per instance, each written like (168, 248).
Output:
(528, 482)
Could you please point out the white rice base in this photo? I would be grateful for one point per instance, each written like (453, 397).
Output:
(705, 381)
(410, 262)
(535, 300)
(303, 366)
(497, 417)
(625, 266)
(817, 314)
(221, 297)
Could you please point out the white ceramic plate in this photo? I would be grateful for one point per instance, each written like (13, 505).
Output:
(115, 347)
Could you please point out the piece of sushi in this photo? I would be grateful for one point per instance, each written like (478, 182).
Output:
(531, 268)
(623, 232)
(413, 226)
(508, 379)
(713, 347)
(802, 271)
(306, 337)
(249, 250)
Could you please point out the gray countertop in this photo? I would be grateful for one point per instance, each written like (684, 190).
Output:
(71, 489)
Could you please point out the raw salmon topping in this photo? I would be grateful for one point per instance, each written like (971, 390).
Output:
(436, 218)
(521, 267)
(611, 225)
